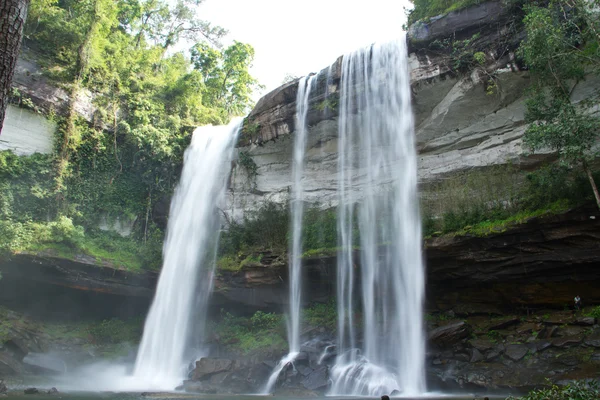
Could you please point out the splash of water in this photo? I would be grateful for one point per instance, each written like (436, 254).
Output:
(305, 85)
(377, 188)
(178, 312)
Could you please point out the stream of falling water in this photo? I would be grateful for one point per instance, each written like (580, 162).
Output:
(305, 85)
(377, 187)
(178, 311)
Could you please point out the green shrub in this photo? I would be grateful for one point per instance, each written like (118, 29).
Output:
(112, 331)
(578, 390)
(322, 315)
(595, 313)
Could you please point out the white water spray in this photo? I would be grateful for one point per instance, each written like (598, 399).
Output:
(377, 188)
(178, 311)
(305, 85)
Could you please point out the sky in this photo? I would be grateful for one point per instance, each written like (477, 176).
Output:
(297, 37)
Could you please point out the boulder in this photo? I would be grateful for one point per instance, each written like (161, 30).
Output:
(593, 340)
(449, 334)
(566, 341)
(205, 367)
(52, 390)
(482, 344)
(504, 323)
(516, 351)
(317, 380)
(3, 388)
(585, 321)
(476, 356)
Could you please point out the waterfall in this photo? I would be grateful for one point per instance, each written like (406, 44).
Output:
(178, 312)
(305, 85)
(377, 188)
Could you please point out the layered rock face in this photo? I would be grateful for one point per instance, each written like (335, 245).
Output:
(461, 121)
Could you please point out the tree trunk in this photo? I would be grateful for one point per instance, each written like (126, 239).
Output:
(13, 14)
(593, 183)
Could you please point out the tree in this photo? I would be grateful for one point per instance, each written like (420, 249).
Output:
(227, 80)
(561, 48)
(13, 14)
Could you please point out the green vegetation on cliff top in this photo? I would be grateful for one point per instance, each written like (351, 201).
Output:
(146, 98)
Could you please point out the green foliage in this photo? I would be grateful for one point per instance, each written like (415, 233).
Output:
(262, 333)
(147, 101)
(487, 201)
(424, 9)
(595, 313)
(578, 390)
(227, 83)
(562, 45)
(246, 161)
(265, 228)
(322, 315)
(261, 320)
(112, 331)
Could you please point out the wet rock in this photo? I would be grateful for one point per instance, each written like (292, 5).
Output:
(304, 370)
(482, 344)
(318, 379)
(547, 332)
(31, 390)
(504, 323)
(491, 355)
(52, 390)
(595, 358)
(593, 340)
(528, 327)
(209, 366)
(449, 334)
(516, 351)
(585, 321)
(476, 356)
(3, 388)
(566, 341)
(543, 345)
(568, 359)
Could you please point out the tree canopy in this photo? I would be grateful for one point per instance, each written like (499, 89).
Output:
(147, 98)
(561, 48)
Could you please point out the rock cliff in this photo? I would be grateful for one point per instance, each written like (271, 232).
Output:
(467, 114)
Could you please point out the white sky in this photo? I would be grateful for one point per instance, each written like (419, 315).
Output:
(299, 37)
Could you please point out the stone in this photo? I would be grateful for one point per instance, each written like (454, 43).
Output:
(528, 327)
(593, 340)
(585, 321)
(304, 370)
(209, 366)
(3, 388)
(543, 345)
(568, 359)
(482, 344)
(476, 356)
(547, 332)
(31, 390)
(503, 323)
(53, 390)
(516, 351)
(449, 334)
(491, 355)
(566, 341)
(318, 379)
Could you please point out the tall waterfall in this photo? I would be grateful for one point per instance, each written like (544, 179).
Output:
(179, 308)
(377, 188)
(305, 85)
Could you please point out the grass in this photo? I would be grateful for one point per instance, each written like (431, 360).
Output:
(487, 228)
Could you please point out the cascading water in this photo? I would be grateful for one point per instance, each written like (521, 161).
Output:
(305, 85)
(179, 308)
(377, 188)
